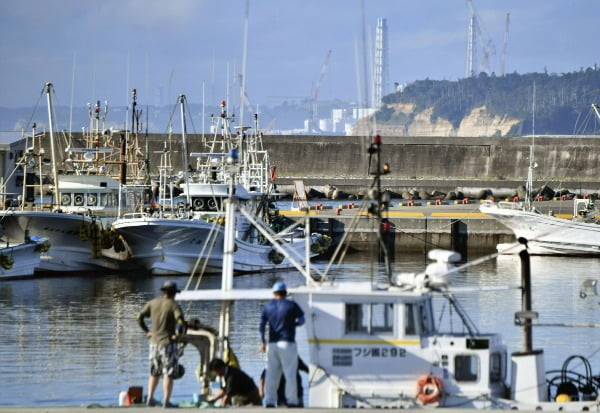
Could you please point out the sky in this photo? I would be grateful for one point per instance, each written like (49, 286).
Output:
(102, 49)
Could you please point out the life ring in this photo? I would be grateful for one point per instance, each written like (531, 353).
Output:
(91, 200)
(198, 203)
(273, 173)
(429, 389)
(65, 199)
(212, 204)
(78, 200)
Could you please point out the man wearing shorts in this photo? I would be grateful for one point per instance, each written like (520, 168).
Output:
(167, 326)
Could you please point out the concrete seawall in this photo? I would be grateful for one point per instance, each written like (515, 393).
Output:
(428, 163)
(445, 164)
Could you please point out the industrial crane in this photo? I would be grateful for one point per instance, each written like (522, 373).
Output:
(487, 45)
(315, 92)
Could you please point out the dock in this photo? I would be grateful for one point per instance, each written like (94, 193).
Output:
(420, 225)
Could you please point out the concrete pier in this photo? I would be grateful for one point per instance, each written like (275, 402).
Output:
(421, 227)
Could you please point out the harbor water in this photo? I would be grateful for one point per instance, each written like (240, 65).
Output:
(73, 340)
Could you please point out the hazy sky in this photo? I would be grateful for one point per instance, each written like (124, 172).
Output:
(167, 47)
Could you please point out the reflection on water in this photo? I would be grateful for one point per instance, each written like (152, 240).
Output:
(74, 340)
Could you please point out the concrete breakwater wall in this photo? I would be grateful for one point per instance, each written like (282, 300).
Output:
(444, 164)
(428, 163)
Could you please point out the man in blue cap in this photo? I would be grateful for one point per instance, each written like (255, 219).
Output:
(282, 316)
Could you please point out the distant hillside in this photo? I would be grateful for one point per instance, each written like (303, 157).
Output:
(494, 106)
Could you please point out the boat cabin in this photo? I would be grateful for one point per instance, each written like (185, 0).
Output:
(370, 347)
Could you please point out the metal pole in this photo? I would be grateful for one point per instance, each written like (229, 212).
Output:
(526, 299)
(56, 199)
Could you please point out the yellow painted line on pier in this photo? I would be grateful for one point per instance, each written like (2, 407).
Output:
(297, 213)
(459, 214)
(404, 214)
(564, 216)
(362, 341)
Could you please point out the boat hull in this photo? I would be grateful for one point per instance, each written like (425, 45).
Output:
(72, 249)
(182, 246)
(546, 234)
(25, 260)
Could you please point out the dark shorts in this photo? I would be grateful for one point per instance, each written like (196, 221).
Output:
(163, 359)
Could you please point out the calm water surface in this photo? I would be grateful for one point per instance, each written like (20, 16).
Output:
(74, 340)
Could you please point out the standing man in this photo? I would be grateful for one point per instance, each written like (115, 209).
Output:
(282, 316)
(167, 326)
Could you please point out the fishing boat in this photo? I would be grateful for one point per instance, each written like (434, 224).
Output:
(73, 204)
(185, 234)
(548, 234)
(21, 260)
(382, 343)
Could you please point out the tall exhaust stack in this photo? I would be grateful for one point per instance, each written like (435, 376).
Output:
(381, 72)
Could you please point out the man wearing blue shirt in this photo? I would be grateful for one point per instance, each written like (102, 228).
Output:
(282, 316)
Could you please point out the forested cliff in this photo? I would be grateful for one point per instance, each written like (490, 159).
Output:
(489, 105)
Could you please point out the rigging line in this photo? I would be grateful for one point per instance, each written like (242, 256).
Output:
(170, 122)
(342, 243)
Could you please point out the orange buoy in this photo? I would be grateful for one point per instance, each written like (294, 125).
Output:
(429, 389)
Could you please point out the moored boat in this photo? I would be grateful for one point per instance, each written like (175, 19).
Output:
(73, 206)
(21, 260)
(184, 234)
(547, 234)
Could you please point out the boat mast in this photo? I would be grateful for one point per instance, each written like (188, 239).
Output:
(532, 164)
(186, 166)
(53, 153)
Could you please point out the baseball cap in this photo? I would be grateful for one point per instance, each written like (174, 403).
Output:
(170, 286)
(279, 286)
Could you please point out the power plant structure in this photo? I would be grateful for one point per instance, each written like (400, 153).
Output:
(476, 35)
(381, 70)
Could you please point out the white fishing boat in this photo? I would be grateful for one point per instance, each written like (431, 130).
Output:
(383, 344)
(547, 234)
(74, 206)
(185, 233)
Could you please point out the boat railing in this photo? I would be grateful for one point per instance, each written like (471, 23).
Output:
(510, 205)
(135, 215)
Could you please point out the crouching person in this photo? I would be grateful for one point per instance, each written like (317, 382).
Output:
(239, 388)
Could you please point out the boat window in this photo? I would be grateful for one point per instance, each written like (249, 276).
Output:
(497, 367)
(355, 318)
(409, 320)
(466, 367)
(369, 318)
(382, 317)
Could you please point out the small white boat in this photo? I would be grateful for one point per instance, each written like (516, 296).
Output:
(547, 234)
(21, 260)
